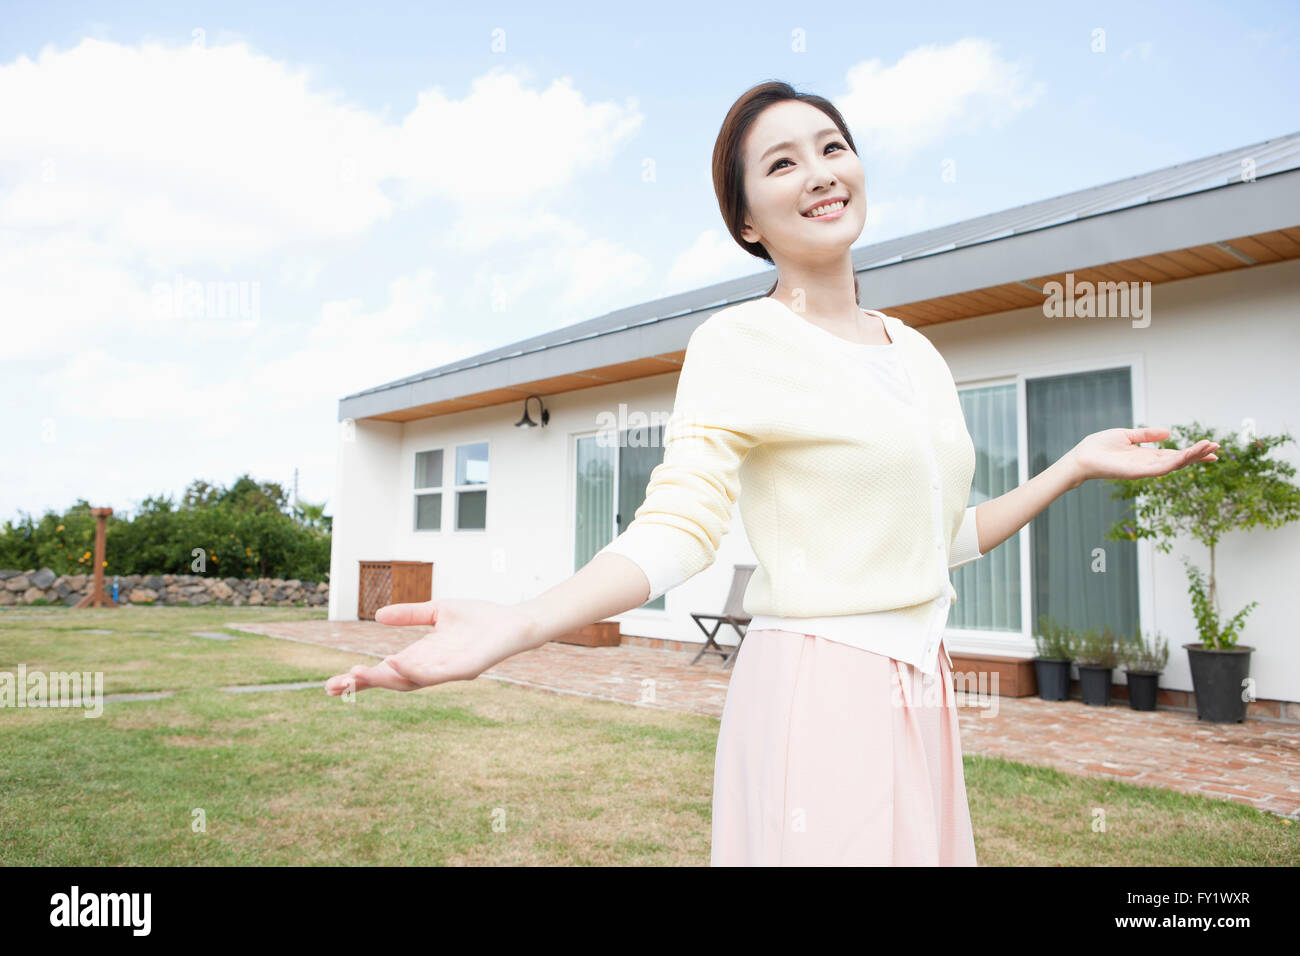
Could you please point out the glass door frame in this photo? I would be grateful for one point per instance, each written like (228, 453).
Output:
(571, 482)
(1021, 643)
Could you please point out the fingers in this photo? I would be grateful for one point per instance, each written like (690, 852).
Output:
(361, 677)
(1140, 435)
(400, 615)
(341, 684)
(384, 675)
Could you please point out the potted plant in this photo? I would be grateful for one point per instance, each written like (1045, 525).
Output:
(1240, 490)
(1143, 664)
(1220, 668)
(1052, 663)
(1096, 656)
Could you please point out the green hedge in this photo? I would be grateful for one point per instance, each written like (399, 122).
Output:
(242, 533)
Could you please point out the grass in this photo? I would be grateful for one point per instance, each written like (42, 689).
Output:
(477, 773)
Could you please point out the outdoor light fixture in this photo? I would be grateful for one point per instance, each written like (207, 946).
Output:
(527, 422)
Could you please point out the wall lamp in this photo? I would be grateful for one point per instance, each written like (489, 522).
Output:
(527, 422)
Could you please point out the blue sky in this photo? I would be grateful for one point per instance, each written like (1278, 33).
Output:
(396, 186)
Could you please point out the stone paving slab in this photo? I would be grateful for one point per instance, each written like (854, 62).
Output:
(1255, 762)
(256, 688)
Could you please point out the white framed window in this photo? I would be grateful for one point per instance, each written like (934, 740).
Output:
(470, 488)
(428, 490)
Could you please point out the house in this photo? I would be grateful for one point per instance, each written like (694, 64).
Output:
(1197, 270)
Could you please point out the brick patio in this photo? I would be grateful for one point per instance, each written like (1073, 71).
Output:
(1256, 762)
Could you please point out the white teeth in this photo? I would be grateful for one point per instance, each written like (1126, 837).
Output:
(823, 210)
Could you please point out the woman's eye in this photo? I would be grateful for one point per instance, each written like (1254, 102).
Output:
(777, 164)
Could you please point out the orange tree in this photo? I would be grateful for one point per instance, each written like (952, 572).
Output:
(240, 532)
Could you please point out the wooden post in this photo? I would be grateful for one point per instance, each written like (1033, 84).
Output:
(96, 597)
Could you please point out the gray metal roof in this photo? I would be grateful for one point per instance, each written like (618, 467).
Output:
(1175, 207)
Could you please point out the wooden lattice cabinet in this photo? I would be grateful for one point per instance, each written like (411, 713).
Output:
(392, 582)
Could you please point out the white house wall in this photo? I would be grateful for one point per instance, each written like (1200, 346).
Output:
(367, 501)
(1219, 348)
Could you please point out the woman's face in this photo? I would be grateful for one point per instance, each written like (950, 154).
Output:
(783, 183)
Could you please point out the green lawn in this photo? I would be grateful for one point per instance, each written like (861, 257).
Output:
(480, 773)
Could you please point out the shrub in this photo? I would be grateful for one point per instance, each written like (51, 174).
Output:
(1052, 641)
(239, 533)
(1096, 648)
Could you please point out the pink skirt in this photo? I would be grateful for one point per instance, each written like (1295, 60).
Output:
(830, 755)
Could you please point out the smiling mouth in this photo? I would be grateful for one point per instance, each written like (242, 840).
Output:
(826, 211)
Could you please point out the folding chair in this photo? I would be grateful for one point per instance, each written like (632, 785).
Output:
(733, 613)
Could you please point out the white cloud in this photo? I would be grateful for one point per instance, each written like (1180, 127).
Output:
(128, 165)
(933, 92)
(891, 218)
(713, 257)
(349, 350)
(412, 300)
(125, 165)
(504, 143)
(186, 151)
(59, 290)
(95, 385)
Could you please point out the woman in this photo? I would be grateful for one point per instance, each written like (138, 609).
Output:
(839, 738)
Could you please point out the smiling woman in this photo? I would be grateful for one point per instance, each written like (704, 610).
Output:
(839, 741)
(741, 197)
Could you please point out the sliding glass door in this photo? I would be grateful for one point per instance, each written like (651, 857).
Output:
(1080, 578)
(1075, 577)
(988, 590)
(611, 485)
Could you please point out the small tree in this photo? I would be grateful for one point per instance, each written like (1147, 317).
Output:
(1241, 489)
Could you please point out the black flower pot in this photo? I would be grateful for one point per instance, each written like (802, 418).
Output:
(1094, 684)
(1142, 689)
(1053, 678)
(1218, 679)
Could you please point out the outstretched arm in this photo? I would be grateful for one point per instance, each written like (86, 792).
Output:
(675, 535)
(471, 636)
(1112, 453)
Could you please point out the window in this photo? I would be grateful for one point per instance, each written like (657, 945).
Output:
(471, 487)
(989, 589)
(1079, 578)
(1075, 576)
(428, 503)
(611, 485)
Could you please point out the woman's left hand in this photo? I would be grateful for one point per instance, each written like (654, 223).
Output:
(1115, 453)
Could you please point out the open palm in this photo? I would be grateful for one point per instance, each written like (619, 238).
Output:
(1115, 453)
(468, 637)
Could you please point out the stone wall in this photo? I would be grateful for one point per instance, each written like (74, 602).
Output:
(24, 587)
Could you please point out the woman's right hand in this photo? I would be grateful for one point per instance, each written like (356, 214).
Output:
(468, 637)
